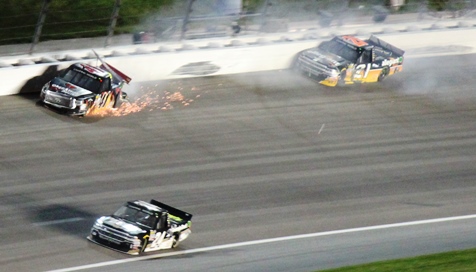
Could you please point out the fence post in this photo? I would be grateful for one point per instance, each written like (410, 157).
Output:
(39, 25)
(112, 25)
(186, 19)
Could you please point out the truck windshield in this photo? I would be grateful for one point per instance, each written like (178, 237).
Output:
(135, 215)
(347, 52)
(84, 80)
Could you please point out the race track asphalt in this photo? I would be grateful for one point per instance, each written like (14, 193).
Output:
(251, 156)
(309, 252)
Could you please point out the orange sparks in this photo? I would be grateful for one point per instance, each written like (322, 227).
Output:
(149, 101)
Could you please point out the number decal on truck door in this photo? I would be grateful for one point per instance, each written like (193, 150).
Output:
(362, 71)
(158, 240)
(102, 99)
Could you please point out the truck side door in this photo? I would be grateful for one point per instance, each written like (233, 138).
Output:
(363, 64)
(160, 231)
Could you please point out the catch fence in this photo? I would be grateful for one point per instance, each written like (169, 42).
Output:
(121, 22)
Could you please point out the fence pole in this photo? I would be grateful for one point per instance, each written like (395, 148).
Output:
(112, 25)
(265, 13)
(186, 19)
(39, 25)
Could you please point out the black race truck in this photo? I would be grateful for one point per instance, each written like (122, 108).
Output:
(140, 226)
(348, 59)
(83, 88)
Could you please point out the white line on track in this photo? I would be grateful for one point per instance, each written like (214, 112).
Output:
(61, 221)
(264, 241)
(320, 130)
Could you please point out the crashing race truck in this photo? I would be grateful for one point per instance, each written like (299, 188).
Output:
(140, 226)
(82, 88)
(347, 60)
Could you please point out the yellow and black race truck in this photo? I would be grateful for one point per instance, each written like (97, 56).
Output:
(348, 59)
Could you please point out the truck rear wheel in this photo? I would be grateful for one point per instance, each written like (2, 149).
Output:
(383, 74)
(175, 241)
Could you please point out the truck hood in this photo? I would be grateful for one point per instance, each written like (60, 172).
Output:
(61, 86)
(328, 59)
(121, 225)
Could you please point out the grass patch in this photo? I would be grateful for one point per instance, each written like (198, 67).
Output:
(455, 261)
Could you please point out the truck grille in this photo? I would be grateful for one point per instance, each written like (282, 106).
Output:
(307, 64)
(59, 100)
(114, 236)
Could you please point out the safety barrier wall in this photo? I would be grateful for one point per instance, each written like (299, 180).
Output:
(218, 57)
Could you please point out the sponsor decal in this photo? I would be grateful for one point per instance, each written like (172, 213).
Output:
(53, 99)
(63, 89)
(70, 89)
(197, 68)
(390, 62)
(70, 86)
(90, 71)
(152, 235)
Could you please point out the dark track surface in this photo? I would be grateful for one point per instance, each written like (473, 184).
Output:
(252, 156)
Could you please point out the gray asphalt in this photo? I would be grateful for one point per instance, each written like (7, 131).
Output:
(313, 253)
(251, 156)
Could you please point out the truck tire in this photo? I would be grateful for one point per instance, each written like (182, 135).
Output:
(91, 107)
(175, 241)
(144, 245)
(384, 73)
(342, 76)
(117, 101)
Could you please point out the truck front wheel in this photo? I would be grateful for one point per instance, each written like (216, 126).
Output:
(342, 76)
(144, 245)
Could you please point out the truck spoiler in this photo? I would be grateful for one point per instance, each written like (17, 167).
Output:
(116, 74)
(173, 211)
(378, 42)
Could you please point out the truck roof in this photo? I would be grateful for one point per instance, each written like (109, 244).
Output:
(92, 70)
(352, 40)
(372, 42)
(157, 207)
(147, 206)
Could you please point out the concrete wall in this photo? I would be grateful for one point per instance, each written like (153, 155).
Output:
(217, 57)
